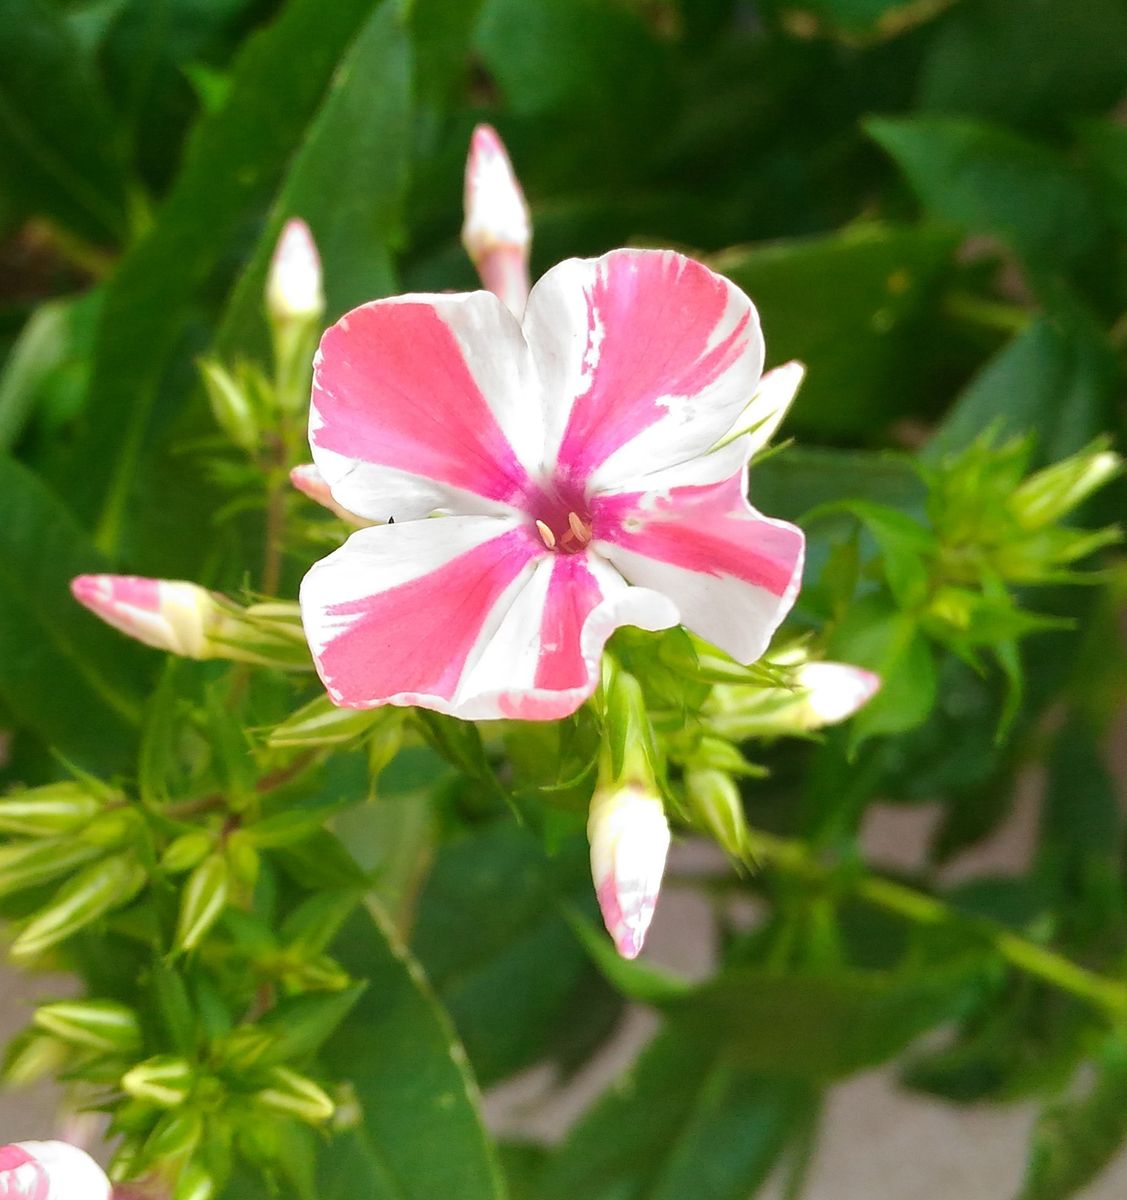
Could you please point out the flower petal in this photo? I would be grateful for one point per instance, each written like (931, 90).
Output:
(732, 573)
(646, 358)
(466, 615)
(424, 402)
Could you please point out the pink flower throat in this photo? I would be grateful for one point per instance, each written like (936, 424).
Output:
(562, 516)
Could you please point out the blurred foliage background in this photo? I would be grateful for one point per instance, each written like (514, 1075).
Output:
(927, 199)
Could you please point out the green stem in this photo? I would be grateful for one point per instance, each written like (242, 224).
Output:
(793, 858)
(989, 314)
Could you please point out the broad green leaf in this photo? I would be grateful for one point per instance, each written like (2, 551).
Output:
(1105, 148)
(820, 1027)
(63, 674)
(1076, 1139)
(984, 179)
(1051, 381)
(857, 20)
(684, 1122)
(420, 1134)
(1061, 59)
(853, 306)
(348, 181)
(59, 149)
(234, 164)
(499, 952)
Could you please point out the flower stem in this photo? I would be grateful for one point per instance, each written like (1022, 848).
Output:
(795, 859)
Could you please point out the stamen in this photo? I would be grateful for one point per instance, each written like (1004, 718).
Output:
(582, 532)
(546, 535)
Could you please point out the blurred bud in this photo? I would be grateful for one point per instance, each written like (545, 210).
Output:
(187, 851)
(203, 900)
(767, 408)
(821, 693)
(230, 405)
(101, 1025)
(1053, 492)
(50, 1171)
(194, 1184)
(169, 614)
(293, 285)
(175, 1139)
(113, 828)
(714, 802)
(165, 1081)
(32, 863)
(33, 1056)
(310, 482)
(52, 809)
(322, 723)
(497, 231)
(100, 888)
(186, 619)
(296, 1096)
(629, 837)
(245, 862)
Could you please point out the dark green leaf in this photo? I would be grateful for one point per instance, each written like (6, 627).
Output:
(59, 151)
(684, 1122)
(65, 676)
(852, 306)
(421, 1134)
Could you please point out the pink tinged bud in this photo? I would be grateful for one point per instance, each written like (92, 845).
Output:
(497, 231)
(310, 482)
(629, 837)
(50, 1171)
(834, 691)
(293, 286)
(169, 614)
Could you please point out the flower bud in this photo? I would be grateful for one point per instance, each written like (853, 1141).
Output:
(53, 809)
(833, 691)
(629, 837)
(310, 482)
(187, 851)
(296, 1096)
(230, 405)
(50, 1171)
(293, 286)
(203, 901)
(32, 863)
(101, 1025)
(169, 614)
(714, 801)
(194, 1184)
(165, 1081)
(497, 232)
(764, 413)
(1056, 490)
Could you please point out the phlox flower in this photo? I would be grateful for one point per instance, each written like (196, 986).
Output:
(50, 1171)
(551, 478)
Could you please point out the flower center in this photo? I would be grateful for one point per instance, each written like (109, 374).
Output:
(563, 520)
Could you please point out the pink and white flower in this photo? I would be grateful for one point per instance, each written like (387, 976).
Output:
(570, 458)
(50, 1171)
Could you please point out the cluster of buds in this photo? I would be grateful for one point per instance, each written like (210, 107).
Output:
(186, 619)
(50, 1171)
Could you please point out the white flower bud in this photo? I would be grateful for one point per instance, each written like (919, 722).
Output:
(293, 287)
(169, 614)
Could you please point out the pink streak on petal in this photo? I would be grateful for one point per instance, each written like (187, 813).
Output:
(708, 529)
(573, 594)
(417, 637)
(650, 318)
(310, 482)
(104, 594)
(392, 387)
(620, 929)
(21, 1176)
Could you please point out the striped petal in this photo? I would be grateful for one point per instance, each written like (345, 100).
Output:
(466, 615)
(50, 1171)
(732, 573)
(646, 360)
(423, 403)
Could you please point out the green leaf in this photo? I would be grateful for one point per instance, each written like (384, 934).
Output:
(1052, 381)
(853, 306)
(684, 1122)
(985, 180)
(63, 674)
(59, 150)
(420, 1134)
(348, 181)
(859, 19)
(233, 166)
(821, 1027)
(1076, 1139)
(498, 951)
(1060, 59)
